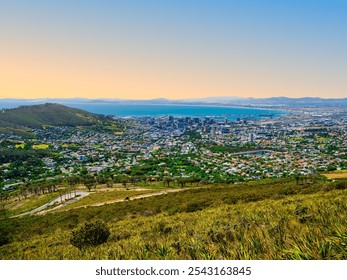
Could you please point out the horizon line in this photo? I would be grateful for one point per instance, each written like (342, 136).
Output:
(163, 98)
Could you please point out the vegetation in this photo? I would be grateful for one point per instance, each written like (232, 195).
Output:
(336, 175)
(48, 115)
(105, 197)
(91, 235)
(266, 219)
(24, 205)
(42, 115)
(234, 149)
(41, 146)
(12, 155)
(4, 236)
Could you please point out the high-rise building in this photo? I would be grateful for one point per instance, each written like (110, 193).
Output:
(251, 137)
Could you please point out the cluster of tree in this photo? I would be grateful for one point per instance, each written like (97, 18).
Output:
(233, 149)
(305, 179)
(180, 181)
(11, 155)
(193, 135)
(28, 188)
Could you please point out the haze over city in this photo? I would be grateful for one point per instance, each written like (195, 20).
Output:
(172, 49)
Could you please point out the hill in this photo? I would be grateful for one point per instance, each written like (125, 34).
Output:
(38, 116)
(20, 120)
(266, 219)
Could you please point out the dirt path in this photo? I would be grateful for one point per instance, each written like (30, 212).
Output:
(132, 198)
(117, 200)
(80, 194)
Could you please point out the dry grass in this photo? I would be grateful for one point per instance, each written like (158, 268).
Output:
(342, 174)
(16, 206)
(106, 196)
(289, 228)
(268, 219)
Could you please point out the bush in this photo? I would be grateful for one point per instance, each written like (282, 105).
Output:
(91, 235)
(196, 206)
(173, 210)
(161, 227)
(252, 197)
(341, 185)
(4, 237)
(287, 191)
(230, 199)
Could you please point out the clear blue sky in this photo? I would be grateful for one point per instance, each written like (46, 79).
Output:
(174, 49)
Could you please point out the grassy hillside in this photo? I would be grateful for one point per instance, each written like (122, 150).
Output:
(41, 116)
(268, 219)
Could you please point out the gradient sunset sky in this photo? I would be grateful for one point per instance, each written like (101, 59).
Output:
(143, 49)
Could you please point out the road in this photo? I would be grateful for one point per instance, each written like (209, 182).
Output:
(79, 194)
(66, 198)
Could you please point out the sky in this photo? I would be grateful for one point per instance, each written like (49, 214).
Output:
(144, 49)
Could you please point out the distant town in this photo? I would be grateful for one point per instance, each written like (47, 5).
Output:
(185, 149)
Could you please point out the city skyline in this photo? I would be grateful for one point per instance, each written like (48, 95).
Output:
(172, 49)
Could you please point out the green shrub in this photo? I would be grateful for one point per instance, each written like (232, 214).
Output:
(173, 210)
(91, 235)
(4, 237)
(287, 191)
(252, 197)
(161, 227)
(196, 206)
(341, 185)
(230, 199)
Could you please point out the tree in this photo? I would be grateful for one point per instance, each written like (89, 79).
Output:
(89, 181)
(297, 179)
(124, 179)
(101, 179)
(167, 180)
(134, 180)
(72, 182)
(182, 181)
(144, 179)
(109, 183)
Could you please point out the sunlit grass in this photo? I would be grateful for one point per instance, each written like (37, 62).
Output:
(322, 139)
(20, 146)
(302, 222)
(41, 146)
(341, 174)
(107, 196)
(16, 206)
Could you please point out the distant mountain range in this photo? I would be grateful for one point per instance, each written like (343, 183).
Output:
(223, 100)
(273, 101)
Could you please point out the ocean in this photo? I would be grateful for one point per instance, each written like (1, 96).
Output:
(137, 110)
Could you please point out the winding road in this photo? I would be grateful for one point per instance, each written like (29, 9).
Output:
(66, 198)
(80, 194)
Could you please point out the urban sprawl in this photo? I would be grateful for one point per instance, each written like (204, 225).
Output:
(301, 142)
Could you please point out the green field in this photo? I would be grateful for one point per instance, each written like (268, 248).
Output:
(267, 219)
(20, 146)
(322, 139)
(41, 146)
(296, 139)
